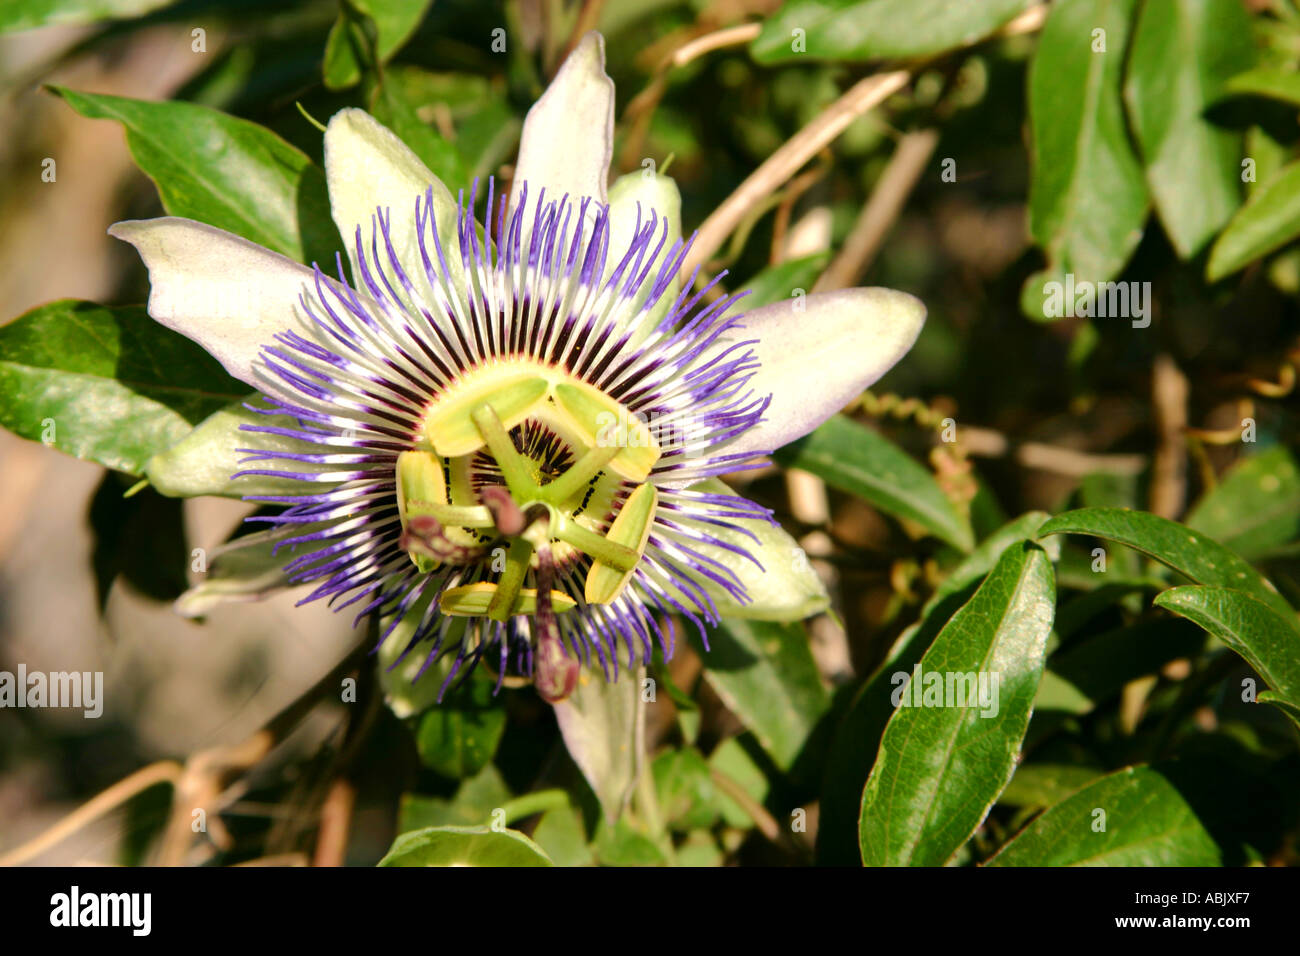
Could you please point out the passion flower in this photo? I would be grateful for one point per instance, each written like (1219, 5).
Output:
(508, 434)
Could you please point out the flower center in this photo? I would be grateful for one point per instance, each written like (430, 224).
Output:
(522, 469)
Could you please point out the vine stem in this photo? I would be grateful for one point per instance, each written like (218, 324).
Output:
(165, 771)
(777, 169)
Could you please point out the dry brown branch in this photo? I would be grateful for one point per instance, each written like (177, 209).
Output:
(864, 95)
(777, 169)
(882, 209)
(1169, 390)
(717, 40)
(165, 771)
(335, 820)
(200, 787)
(988, 443)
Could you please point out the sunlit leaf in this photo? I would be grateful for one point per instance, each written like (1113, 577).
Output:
(27, 14)
(464, 846)
(1183, 51)
(943, 761)
(1131, 818)
(106, 384)
(1187, 552)
(1256, 507)
(1268, 642)
(1269, 219)
(869, 29)
(224, 171)
(1087, 196)
(765, 674)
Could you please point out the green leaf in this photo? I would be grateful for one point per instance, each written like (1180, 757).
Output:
(603, 725)
(871, 29)
(204, 461)
(393, 22)
(857, 738)
(731, 759)
(688, 797)
(982, 559)
(472, 805)
(407, 691)
(459, 736)
(561, 836)
(619, 844)
(1186, 551)
(485, 129)
(105, 384)
(785, 588)
(391, 105)
(856, 459)
(1183, 51)
(488, 137)
(1256, 507)
(1268, 642)
(464, 846)
(1271, 83)
(1147, 823)
(224, 171)
(780, 281)
(765, 674)
(1292, 711)
(941, 766)
(1042, 784)
(28, 14)
(856, 742)
(1087, 197)
(1269, 219)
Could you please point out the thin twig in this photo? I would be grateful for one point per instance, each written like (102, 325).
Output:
(199, 788)
(764, 821)
(788, 159)
(881, 211)
(588, 17)
(335, 819)
(989, 443)
(864, 95)
(278, 859)
(1169, 391)
(638, 112)
(717, 40)
(165, 771)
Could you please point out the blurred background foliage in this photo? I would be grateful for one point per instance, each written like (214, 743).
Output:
(1019, 148)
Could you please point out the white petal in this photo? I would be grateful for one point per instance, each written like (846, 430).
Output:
(226, 293)
(819, 352)
(568, 135)
(786, 588)
(367, 167)
(641, 194)
(603, 726)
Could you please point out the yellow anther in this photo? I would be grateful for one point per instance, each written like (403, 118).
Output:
(631, 529)
(472, 600)
(605, 422)
(512, 393)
